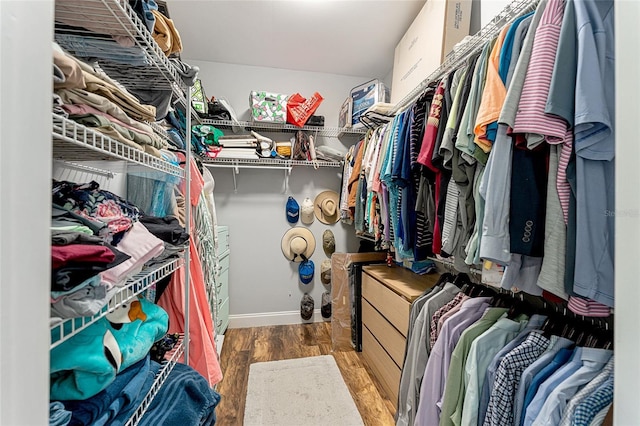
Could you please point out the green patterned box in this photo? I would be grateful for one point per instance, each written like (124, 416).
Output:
(267, 106)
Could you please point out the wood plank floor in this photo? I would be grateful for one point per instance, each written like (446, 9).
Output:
(244, 346)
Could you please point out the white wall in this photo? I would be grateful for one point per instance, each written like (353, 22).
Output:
(25, 206)
(627, 334)
(263, 285)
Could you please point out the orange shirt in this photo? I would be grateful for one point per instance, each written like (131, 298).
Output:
(493, 96)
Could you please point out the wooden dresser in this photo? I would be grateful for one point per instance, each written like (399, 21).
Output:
(387, 293)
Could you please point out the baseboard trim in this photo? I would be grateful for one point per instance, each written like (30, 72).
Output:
(272, 318)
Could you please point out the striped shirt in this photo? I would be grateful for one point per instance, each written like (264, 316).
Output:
(588, 307)
(531, 119)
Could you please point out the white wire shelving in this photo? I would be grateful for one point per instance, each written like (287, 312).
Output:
(331, 132)
(235, 164)
(106, 21)
(262, 163)
(69, 327)
(161, 377)
(74, 142)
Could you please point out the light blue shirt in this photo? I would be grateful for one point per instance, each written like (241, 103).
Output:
(529, 373)
(568, 414)
(595, 148)
(593, 361)
(545, 389)
(482, 351)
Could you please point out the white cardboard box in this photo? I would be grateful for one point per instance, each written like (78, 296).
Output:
(432, 35)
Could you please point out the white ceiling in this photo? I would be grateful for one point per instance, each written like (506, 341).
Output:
(348, 37)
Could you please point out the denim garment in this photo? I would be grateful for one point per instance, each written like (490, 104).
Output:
(58, 416)
(110, 50)
(185, 398)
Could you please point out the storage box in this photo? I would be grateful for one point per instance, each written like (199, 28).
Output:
(267, 106)
(364, 96)
(344, 116)
(432, 35)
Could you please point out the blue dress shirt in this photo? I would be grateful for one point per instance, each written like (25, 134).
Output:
(592, 361)
(530, 372)
(559, 369)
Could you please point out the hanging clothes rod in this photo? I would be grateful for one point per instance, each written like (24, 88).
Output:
(458, 57)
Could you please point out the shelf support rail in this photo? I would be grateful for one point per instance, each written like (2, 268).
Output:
(187, 218)
(108, 173)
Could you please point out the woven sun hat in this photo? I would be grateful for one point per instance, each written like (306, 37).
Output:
(298, 244)
(326, 207)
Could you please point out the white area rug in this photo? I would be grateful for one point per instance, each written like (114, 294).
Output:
(299, 392)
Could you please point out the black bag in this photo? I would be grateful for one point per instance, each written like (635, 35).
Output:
(315, 120)
(216, 111)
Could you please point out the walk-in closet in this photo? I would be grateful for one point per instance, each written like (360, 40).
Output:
(414, 212)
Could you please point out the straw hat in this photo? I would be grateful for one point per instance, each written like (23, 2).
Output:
(326, 207)
(298, 244)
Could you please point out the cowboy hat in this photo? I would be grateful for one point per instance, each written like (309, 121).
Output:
(298, 244)
(326, 207)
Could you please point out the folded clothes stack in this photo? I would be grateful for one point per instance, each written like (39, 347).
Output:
(98, 241)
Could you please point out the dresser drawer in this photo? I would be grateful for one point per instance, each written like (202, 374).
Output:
(222, 317)
(390, 338)
(222, 278)
(223, 239)
(390, 304)
(386, 371)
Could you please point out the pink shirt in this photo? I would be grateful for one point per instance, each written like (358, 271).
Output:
(531, 118)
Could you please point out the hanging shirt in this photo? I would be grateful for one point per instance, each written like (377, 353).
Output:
(561, 98)
(492, 97)
(593, 361)
(496, 185)
(595, 149)
(431, 128)
(454, 390)
(551, 277)
(410, 378)
(564, 364)
(500, 408)
(534, 323)
(437, 367)
(555, 345)
(420, 353)
(531, 119)
(482, 351)
(465, 136)
(589, 410)
(569, 412)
